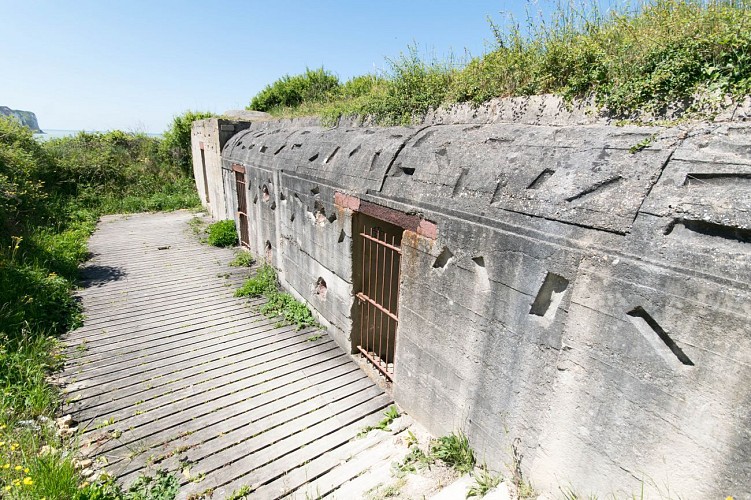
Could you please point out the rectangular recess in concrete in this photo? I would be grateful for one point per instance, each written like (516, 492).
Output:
(648, 327)
(550, 295)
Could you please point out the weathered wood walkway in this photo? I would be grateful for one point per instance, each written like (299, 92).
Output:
(171, 371)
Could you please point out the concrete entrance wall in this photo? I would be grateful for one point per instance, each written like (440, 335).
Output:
(211, 135)
(579, 293)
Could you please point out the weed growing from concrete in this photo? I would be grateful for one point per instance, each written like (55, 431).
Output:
(454, 449)
(416, 459)
(485, 480)
(285, 305)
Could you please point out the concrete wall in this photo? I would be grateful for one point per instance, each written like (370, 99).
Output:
(208, 137)
(579, 293)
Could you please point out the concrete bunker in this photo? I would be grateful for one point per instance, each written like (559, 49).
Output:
(552, 282)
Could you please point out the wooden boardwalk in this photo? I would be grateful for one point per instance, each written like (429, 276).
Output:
(171, 371)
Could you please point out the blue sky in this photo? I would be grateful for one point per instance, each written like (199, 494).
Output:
(133, 65)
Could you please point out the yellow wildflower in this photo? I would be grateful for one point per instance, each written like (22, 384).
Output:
(6, 466)
(26, 470)
(18, 467)
(7, 488)
(27, 481)
(2, 443)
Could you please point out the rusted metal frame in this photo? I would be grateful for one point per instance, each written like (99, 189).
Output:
(391, 281)
(378, 306)
(372, 293)
(368, 259)
(382, 353)
(382, 243)
(238, 168)
(242, 205)
(395, 217)
(377, 364)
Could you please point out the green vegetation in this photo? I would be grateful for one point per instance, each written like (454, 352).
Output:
(222, 233)
(485, 480)
(241, 493)
(176, 143)
(264, 283)
(242, 259)
(290, 309)
(389, 416)
(660, 54)
(51, 195)
(162, 486)
(313, 86)
(454, 449)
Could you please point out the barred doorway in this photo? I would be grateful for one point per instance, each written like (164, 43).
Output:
(377, 258)
(242, 204)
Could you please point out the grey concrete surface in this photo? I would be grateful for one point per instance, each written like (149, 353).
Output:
(577, 293)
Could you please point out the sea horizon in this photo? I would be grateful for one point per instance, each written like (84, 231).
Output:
(52, 133)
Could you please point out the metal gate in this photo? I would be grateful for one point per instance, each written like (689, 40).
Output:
(205, 176)
(379, 297)
(242, 204)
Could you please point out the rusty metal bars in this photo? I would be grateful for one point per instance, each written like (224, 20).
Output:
(242, 206)
(379, 299)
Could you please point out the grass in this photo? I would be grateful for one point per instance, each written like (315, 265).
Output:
(241, 493)
(639, 58)
(242, 259)
(485, 480)
(278, 304)
(51, 196)
(454, 449)
(391, 414)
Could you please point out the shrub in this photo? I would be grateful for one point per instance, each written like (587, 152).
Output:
(313, 86)
(222, 233)
(175, 147)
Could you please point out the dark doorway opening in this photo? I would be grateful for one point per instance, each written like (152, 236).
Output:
(242, 204)
(377, 259)
(205, 176)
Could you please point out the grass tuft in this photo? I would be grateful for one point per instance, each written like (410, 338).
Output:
(454, 449)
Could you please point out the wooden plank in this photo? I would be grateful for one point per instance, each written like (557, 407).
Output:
(258, 330)
(290, 451)
(199, 371)
(239, 423)
(188, 382)
(187, 371)
(328, 472)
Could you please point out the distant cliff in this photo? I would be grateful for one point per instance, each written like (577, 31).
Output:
(27, 118)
